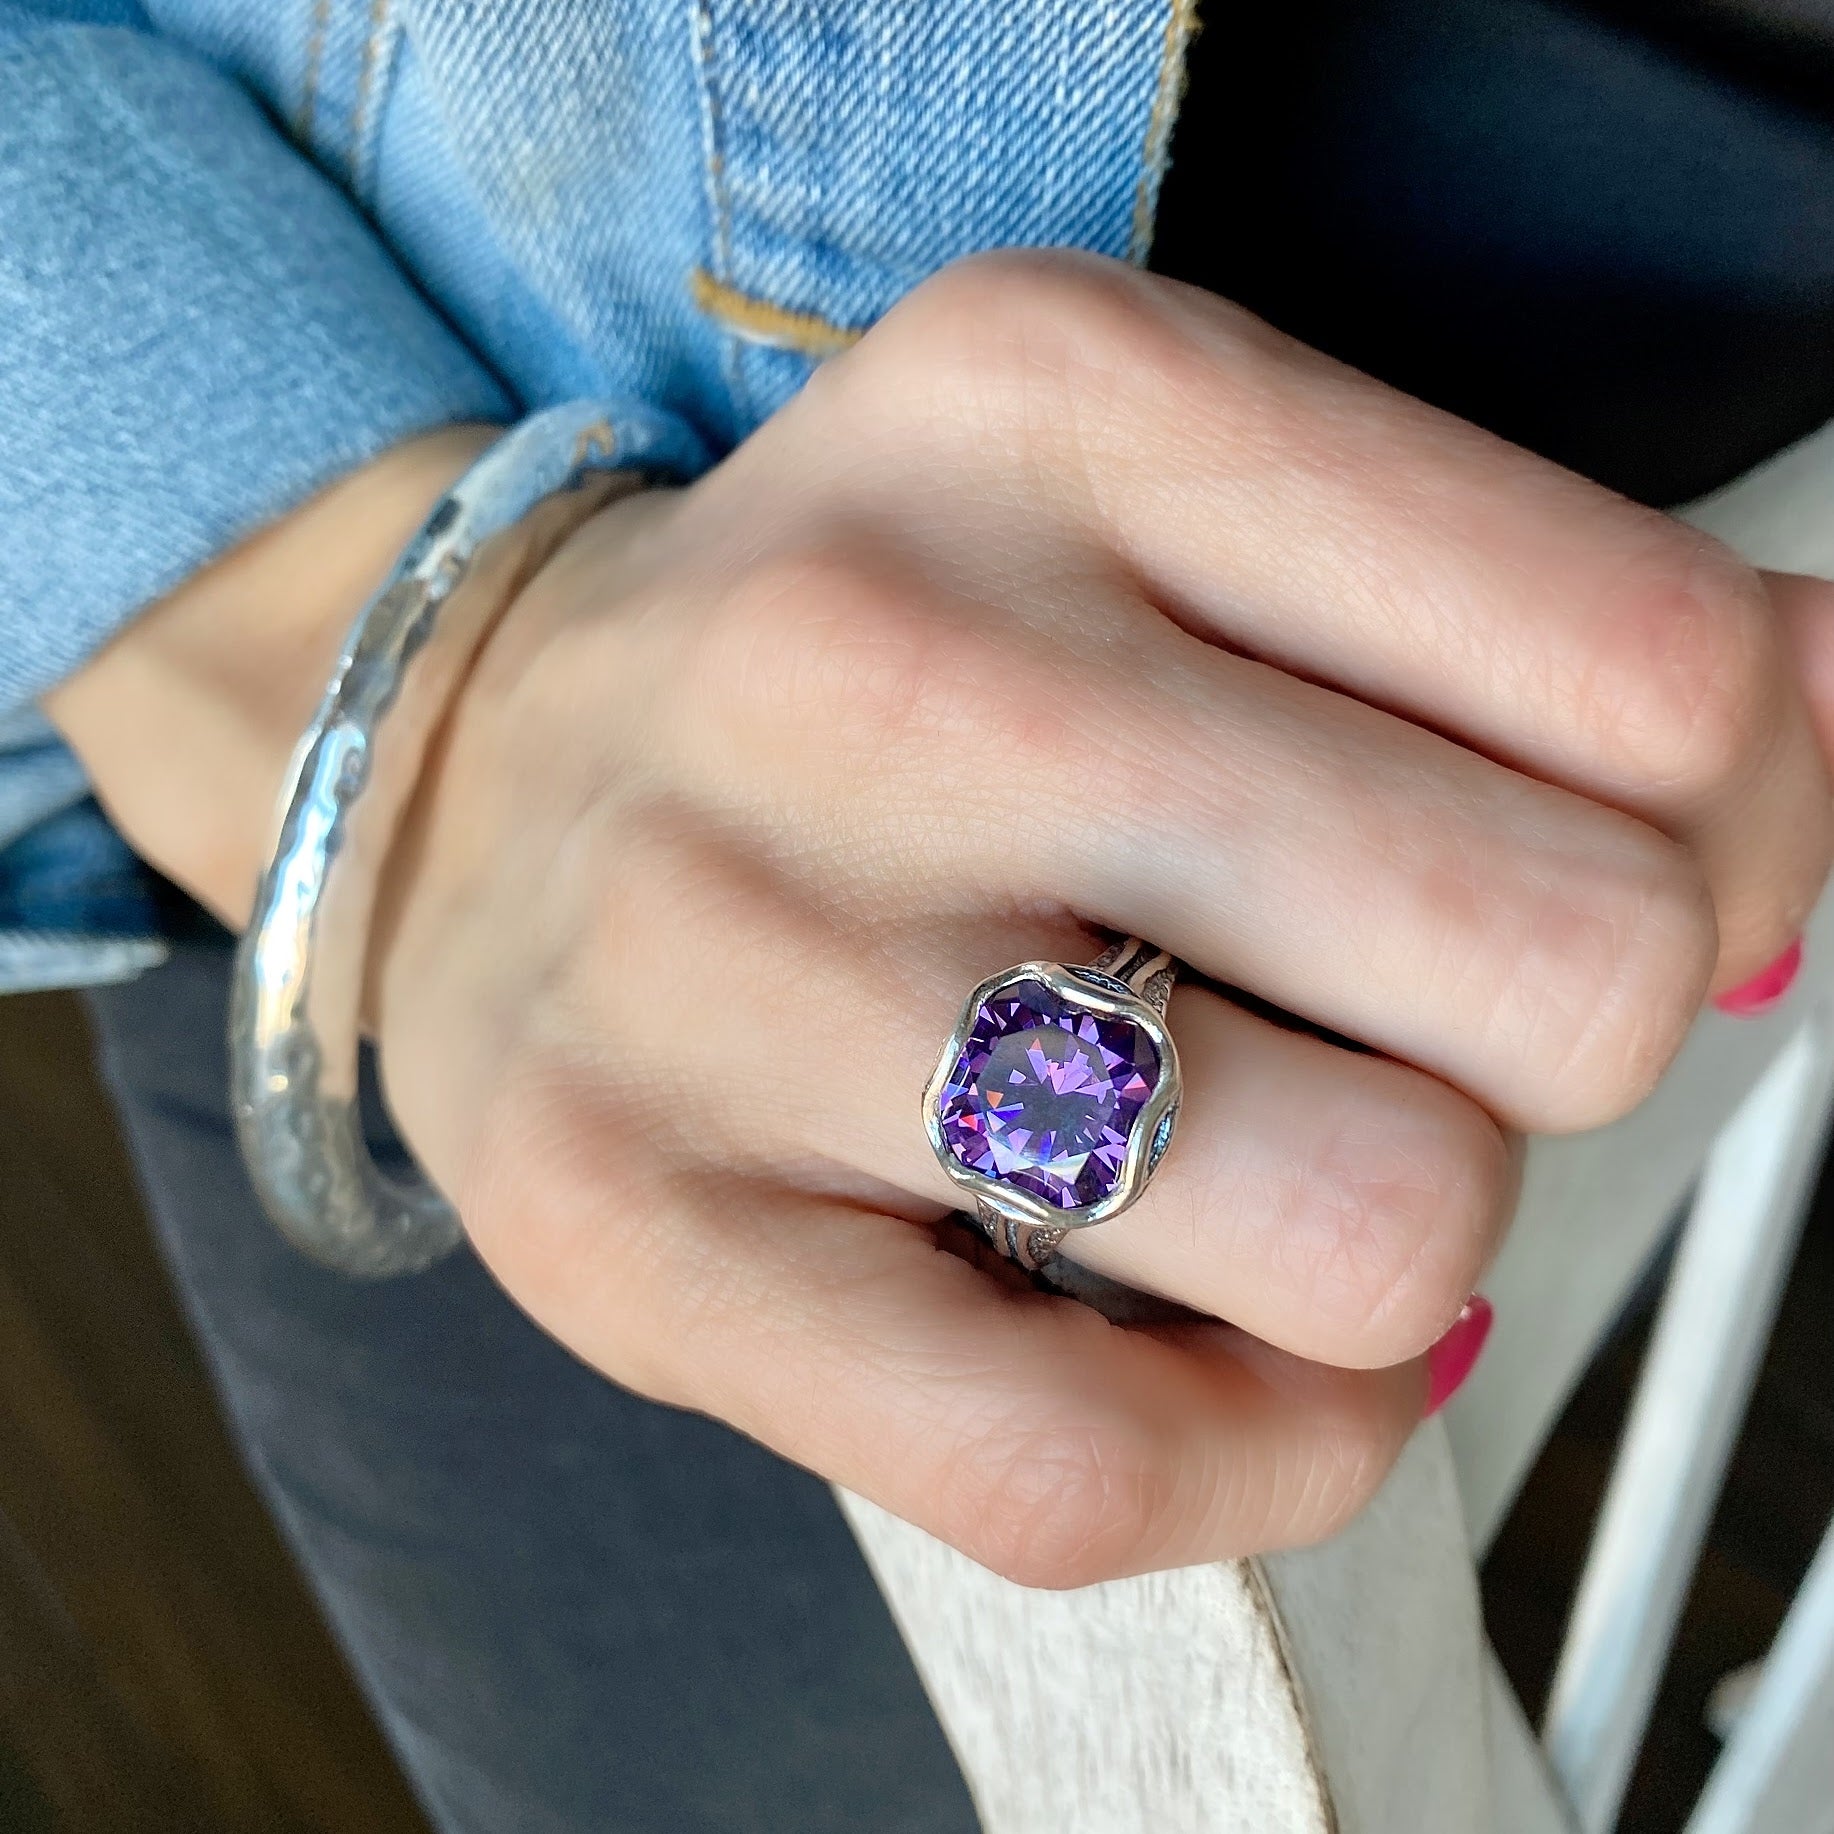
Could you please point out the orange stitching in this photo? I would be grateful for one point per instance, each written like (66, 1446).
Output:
(718, 203)
(760, 322)
(366, 81)
(597, 441)
(315, 57)
(1180, 26)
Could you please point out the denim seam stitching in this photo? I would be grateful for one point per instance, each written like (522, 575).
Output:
(316, 35)
(1180, 24)
(366, 110)
(719, 208)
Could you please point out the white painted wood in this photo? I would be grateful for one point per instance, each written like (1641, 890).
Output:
(1524, 1798)
(1162, 1703)
(1594, 1208)
(1714, 1322)
(1385, 1633)
(1776, 1776)
(1779, 515)
(1218, 1698)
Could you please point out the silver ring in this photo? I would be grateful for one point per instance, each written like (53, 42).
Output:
(1055, 1098)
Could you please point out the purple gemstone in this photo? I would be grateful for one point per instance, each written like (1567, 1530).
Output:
(1044, 1095)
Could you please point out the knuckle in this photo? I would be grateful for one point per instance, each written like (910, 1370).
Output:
(1687, 691)
(1050, 356)
(1399, 1212)
(1626, 951)
(984, 300)
(1012, 331)
(831, 641)
(1056, 1504)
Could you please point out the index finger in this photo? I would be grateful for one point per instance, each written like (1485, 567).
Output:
(1282, 504)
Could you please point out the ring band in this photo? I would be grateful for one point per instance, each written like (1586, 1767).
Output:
(1055, 1097)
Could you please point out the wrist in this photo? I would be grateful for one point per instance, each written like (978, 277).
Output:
(485, 826)
(299, 1007)
(187, 719)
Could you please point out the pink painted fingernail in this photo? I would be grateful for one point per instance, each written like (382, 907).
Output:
(1759, 994)
(1455, 1355)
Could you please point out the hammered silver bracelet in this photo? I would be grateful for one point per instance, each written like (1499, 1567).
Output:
(296, 1008)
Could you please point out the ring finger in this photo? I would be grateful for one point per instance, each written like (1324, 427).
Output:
(1339, 1205)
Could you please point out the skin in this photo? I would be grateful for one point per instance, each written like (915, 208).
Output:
(1071, 597)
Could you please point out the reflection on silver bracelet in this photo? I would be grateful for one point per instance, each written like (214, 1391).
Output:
(296, 1011)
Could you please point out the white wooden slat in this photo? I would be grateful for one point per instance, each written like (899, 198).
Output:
(1162, 1703)
(1779, 515)
(1524, 1798)
(1776, 1775)
(1710, 1333)
(1337, 1690)
(1384, 1629)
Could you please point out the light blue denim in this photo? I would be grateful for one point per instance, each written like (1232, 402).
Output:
(245, 245)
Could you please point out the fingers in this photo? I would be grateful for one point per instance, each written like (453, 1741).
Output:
(1537, 949)
(1027, 1431)
(1340, 1206)
(1279, 503)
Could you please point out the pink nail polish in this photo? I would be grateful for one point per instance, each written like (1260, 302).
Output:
(1759, 994)
(1455, 1355)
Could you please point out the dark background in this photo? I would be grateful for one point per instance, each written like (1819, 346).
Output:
(161, 1665)
(1604, 231)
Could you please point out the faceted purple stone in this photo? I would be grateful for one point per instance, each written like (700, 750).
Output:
(1044, 1095)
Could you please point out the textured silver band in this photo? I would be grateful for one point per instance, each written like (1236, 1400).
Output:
(1142, 968)
(296, 1010)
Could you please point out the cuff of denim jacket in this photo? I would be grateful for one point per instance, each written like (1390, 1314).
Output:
(201, 332)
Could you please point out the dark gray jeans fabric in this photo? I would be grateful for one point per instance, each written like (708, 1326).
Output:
(572, 1610)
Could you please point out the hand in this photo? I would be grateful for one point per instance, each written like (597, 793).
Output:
(1073, 597)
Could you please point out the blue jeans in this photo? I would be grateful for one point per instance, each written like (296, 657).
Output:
(571, 1609)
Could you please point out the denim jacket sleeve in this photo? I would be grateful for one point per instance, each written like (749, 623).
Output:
(197, 331)
(678, 210)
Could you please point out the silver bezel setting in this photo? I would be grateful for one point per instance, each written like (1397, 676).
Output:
(1146, 1141)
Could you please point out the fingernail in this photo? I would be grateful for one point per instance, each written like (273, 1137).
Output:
(1455, 1355)
(1763, 991)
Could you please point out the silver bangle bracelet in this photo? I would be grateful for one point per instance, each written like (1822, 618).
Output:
(295, 1016)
